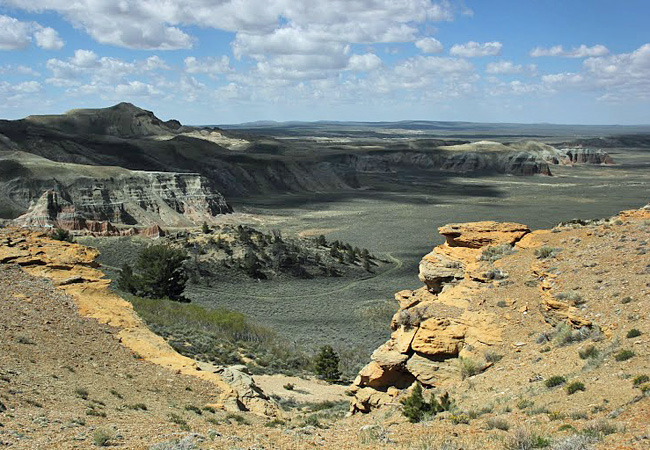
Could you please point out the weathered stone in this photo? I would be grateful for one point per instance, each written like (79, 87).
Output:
(439, 337)
(430, 372)
(437, 269)
(366, 399)
(482, 234)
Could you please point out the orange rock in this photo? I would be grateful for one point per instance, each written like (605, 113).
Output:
(482, 234)
(439, 337)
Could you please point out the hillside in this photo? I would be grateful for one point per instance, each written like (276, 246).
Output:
(507, 322)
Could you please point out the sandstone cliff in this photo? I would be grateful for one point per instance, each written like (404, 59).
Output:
(75, 196)
(496, 295)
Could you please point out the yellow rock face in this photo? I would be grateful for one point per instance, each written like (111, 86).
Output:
(439, 337)
(482, 234)
(73, 269)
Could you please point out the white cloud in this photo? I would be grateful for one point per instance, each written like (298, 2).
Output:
(475, 49)
(207, 65)
(429, 45)
(508, 67)
(16, 35)
(135, 89)
(152, 24)
(577, 52)
(86, 66)
(48, 39)
(364, 63)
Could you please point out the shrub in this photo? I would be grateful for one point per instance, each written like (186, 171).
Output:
(60, 234)
(633, 333)
(544, 252)
(573, 297)
(205, 229)
(493, 357)
(102, 437)
(459, 418)
(626, 300)
(600, 428)
(574, 387)
(289, 386)
(159, 274)
(524, 403)
(238, 418)
(522, 439)
(81, 393)
(588, 352)
(194, 409)
(555, 380)
(639, 380)
(327, 364)
(275, 423)
(137, 407)
(624, 355)
(415, 407)
(468, 367)
(496, 252)
(498, 423)
(178, 420)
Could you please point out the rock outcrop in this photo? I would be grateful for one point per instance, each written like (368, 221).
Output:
(95, 198)
(73, 269)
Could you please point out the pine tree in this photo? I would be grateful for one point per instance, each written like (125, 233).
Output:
(327, 364)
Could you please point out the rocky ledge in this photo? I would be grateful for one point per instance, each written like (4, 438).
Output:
(487, 290)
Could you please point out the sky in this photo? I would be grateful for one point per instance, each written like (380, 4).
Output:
(232, 61)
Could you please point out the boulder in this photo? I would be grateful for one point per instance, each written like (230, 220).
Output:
(437, 270)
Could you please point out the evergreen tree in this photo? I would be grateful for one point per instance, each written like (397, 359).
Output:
(327, 364)
(161, 273)
(205, 229)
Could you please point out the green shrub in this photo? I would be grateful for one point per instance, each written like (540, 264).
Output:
(624, 355)
(102, 437)
(574, 387)
(633, 333)
(289, 386)
(327, 364)
(555, 380)
(522, 439)
(159, 273)
(416, 408)
(524, 403)
(178, 420)
(194, 409)
(639, 380)
(60, 234)
(626, 300)
(544, 252)
(137, 407)
(588, 352)
(469, 367)
(600, 428)
(493, 357)
(238, 418)
(459, 418)
(275, 423)
(572, 296)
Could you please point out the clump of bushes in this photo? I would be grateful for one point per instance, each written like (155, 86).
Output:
(624, 355)
(416, 408)
(588, 352)
(469, 367)
(634, 332)
(640, 379)
(495, 252)
(574, 387)
(545, 252)
(159, 273)
(60, 234)
(573, 297)
(555, 380)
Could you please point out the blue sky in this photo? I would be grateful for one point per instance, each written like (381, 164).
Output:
(228, 61)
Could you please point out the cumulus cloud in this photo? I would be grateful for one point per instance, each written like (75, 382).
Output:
(151, 24)
(48, 39)
(577, 52)
(508, 67)
(16, 35)
(429, 45)
(86, 66)
(207, 65)
(364, 63)
(475, 49)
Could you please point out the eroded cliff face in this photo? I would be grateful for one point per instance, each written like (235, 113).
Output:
(74, 196)
(501, 289)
